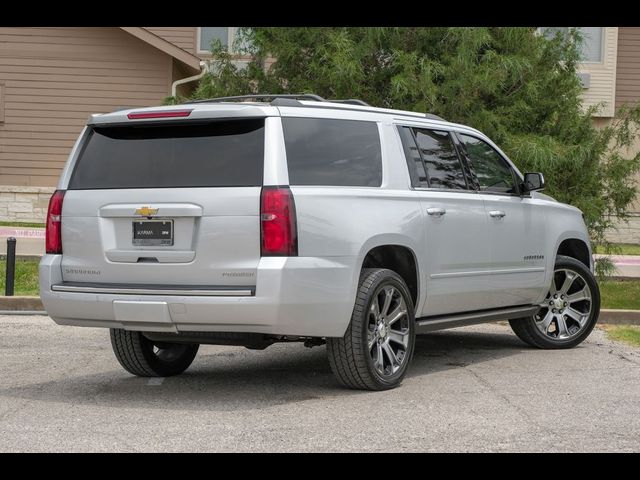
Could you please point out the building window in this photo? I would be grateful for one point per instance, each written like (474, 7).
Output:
(592, 43)
(207, 34)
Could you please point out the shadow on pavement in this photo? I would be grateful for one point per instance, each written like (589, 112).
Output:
(237, 379)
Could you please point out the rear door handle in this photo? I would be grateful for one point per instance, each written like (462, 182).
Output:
(437, 212)
(497, 213)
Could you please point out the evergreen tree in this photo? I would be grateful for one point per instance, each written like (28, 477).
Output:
(513, 84)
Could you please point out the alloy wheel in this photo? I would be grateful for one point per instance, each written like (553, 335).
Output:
(567, 307)
(388, 330)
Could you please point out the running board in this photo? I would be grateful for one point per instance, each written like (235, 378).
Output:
(441, 322)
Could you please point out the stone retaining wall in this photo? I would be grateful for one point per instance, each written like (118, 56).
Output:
(24, 204)
(626, 232)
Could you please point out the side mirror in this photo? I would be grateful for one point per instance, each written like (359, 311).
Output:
(533, 181)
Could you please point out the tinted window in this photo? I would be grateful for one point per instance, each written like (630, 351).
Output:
(491, 170)
(218, 154)
(417, 171)
(441, 159)
(332, 152)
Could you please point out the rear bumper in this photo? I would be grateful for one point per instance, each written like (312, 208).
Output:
(305, 296)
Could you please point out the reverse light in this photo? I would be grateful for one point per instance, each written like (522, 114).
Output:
(159, 114)
(53, 236)
(278, 231)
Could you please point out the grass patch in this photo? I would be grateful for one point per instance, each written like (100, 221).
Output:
(22, 224)
(624, 333)
(621, 249)
(26, 279)
(620, 294)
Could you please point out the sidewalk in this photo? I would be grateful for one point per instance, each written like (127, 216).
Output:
(626, 265)
(30, 241)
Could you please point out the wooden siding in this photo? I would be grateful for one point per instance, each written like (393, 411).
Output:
(54, 78)
(628, 71)
(183, 37)
(602, 89)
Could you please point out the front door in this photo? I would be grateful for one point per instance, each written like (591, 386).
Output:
(516, 226)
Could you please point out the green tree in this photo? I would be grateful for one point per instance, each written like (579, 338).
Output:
(515, 85)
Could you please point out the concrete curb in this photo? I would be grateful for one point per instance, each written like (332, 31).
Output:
(629, 317)
(18, 303)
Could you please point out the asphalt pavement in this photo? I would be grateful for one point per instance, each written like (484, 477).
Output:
(469, 389)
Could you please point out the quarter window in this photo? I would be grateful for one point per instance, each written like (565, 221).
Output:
(491, 170)
(441, 159)
(332, 152)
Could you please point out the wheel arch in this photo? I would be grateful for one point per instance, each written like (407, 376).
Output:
(399, 257)
(575, 248)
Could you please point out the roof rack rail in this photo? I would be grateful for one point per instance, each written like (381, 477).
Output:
(351, 101)
(293, 100)
(301, 96)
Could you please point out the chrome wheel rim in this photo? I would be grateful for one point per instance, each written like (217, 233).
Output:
(567, 307)
(388, 330)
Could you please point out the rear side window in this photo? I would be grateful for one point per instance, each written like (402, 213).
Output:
(440, 156)
(333, 152)
(217, 154)
(415, 164)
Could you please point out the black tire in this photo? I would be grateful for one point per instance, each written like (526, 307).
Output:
(528, 332)
(349, 355)
(137, 354)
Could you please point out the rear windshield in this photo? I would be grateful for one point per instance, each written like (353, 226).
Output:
(217, 154)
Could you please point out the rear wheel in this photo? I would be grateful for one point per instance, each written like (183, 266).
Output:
(146, 358)
(376, 349)
(568, 313)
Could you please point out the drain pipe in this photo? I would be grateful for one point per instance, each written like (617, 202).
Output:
(174, 85)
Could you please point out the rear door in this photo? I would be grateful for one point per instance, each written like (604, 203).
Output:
(516, 226)
(166, 204)
(456, 249)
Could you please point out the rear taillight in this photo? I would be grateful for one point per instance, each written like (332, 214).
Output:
(278, 222)
(54, 223)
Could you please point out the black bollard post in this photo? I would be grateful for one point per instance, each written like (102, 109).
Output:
(11, 267)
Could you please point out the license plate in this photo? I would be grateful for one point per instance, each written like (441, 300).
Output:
(147, 233)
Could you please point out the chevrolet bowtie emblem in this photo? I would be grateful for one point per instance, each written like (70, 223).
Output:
(146, 211)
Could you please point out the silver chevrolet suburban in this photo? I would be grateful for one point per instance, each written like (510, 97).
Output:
(276, 218)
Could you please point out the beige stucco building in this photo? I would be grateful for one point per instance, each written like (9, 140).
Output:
(52, 79)
(611, 78)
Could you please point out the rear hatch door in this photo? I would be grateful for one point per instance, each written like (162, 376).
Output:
(166, 204)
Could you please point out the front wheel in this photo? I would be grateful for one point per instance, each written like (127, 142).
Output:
(377, 347)
(145, 358)
(569, 311)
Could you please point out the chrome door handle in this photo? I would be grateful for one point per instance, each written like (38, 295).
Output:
(438, 212)
(497, 213)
